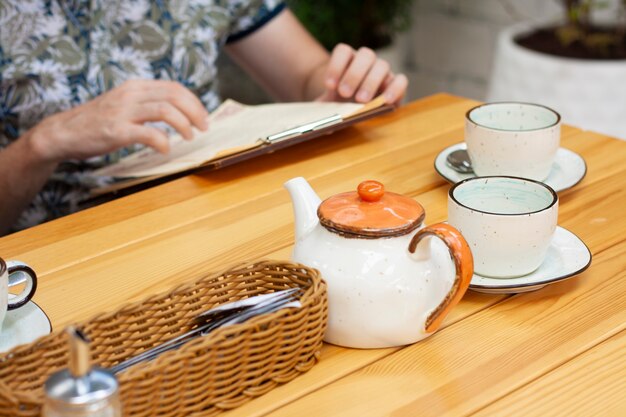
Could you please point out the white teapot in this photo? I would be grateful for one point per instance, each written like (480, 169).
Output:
(389, 282)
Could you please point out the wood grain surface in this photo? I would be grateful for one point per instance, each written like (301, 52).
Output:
(579, 387)
(556, 351)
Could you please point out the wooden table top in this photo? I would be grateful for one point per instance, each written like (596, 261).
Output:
(559, 350)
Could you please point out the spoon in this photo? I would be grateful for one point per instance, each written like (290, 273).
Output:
(459, 161)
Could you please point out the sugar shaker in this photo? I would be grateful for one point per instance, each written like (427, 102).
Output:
(81, 390)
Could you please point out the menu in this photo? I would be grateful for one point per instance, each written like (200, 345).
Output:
(236, 129)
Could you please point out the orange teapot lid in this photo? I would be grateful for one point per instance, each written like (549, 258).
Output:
(370, 212)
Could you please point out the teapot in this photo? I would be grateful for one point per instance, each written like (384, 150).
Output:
(391, 281)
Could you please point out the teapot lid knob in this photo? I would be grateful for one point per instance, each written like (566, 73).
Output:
(371, 190)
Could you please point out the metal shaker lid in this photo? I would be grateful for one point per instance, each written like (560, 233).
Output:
(98, 385)
(80, 384)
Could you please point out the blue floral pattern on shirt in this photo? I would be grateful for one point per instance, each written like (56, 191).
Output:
(58, 54)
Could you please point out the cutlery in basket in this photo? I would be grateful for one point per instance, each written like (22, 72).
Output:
(224, 315)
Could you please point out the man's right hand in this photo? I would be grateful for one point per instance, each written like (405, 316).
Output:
(116, 119)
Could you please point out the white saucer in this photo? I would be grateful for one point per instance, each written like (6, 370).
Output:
(568, 170)
(567, 256)
(23, 325)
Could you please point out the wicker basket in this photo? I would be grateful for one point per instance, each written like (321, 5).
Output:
(206, 376)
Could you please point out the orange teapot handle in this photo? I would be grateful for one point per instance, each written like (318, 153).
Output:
(463, 263)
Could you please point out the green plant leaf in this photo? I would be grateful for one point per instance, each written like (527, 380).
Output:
(370, 23)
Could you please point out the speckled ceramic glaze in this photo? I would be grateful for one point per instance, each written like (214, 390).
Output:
(568, 169)
(508, 222)
(24, 325)
(14, 273)
(384, 290)
(516, 139)
(567, 257)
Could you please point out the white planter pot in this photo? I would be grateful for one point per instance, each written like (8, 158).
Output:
(588, 94)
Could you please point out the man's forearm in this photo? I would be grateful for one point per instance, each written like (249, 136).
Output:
(22, 175)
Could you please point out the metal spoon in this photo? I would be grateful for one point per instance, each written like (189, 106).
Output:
(459, 161)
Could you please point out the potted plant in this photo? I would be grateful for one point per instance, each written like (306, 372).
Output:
(576, 66)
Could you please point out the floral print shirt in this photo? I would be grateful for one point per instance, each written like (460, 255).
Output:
(58, 54)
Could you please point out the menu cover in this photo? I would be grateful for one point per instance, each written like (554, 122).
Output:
(238, 132)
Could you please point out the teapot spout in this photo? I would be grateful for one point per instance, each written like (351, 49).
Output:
(305, 203)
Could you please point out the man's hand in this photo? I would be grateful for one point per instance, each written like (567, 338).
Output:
(116, 119)
(360, 76)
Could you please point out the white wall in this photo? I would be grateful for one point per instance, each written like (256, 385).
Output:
(450, 46)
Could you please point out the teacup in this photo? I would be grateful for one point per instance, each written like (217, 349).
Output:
(508, 222)
(13, 273)
(516, 139)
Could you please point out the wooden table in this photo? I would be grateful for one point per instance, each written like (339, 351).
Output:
(560, 350)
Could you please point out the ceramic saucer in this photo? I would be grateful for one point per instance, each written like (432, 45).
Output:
(23, 325)
(567, 256)
(568, 170)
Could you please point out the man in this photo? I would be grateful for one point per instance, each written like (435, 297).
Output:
(80, 80)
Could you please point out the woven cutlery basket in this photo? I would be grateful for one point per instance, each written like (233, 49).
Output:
(206, 376)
